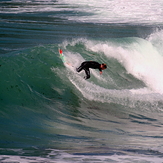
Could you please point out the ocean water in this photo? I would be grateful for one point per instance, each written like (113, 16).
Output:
(49, 113)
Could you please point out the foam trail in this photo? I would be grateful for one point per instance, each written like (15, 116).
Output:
(130, 98)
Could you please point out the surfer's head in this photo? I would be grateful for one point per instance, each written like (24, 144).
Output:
(103, 66)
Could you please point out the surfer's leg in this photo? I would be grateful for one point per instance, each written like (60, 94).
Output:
(87, 72)
(79, 68)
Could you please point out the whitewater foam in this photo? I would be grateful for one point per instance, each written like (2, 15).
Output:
(121, 11)
(63, 157)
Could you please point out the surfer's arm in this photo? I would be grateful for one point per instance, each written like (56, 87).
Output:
(100, 72)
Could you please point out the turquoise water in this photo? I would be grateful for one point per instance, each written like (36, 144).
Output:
(49, 113)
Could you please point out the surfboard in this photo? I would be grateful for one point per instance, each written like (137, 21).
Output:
(63, 58)
(61, 55)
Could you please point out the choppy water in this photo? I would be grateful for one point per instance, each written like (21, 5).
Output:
(49, 113)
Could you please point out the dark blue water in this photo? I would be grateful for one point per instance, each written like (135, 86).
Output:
(49, 113)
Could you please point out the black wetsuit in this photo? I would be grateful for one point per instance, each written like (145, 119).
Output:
(89, 64)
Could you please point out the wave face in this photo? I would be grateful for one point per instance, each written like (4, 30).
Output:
(49, 112)
(47, 103)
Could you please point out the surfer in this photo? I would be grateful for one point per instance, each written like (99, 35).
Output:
(91, 64)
